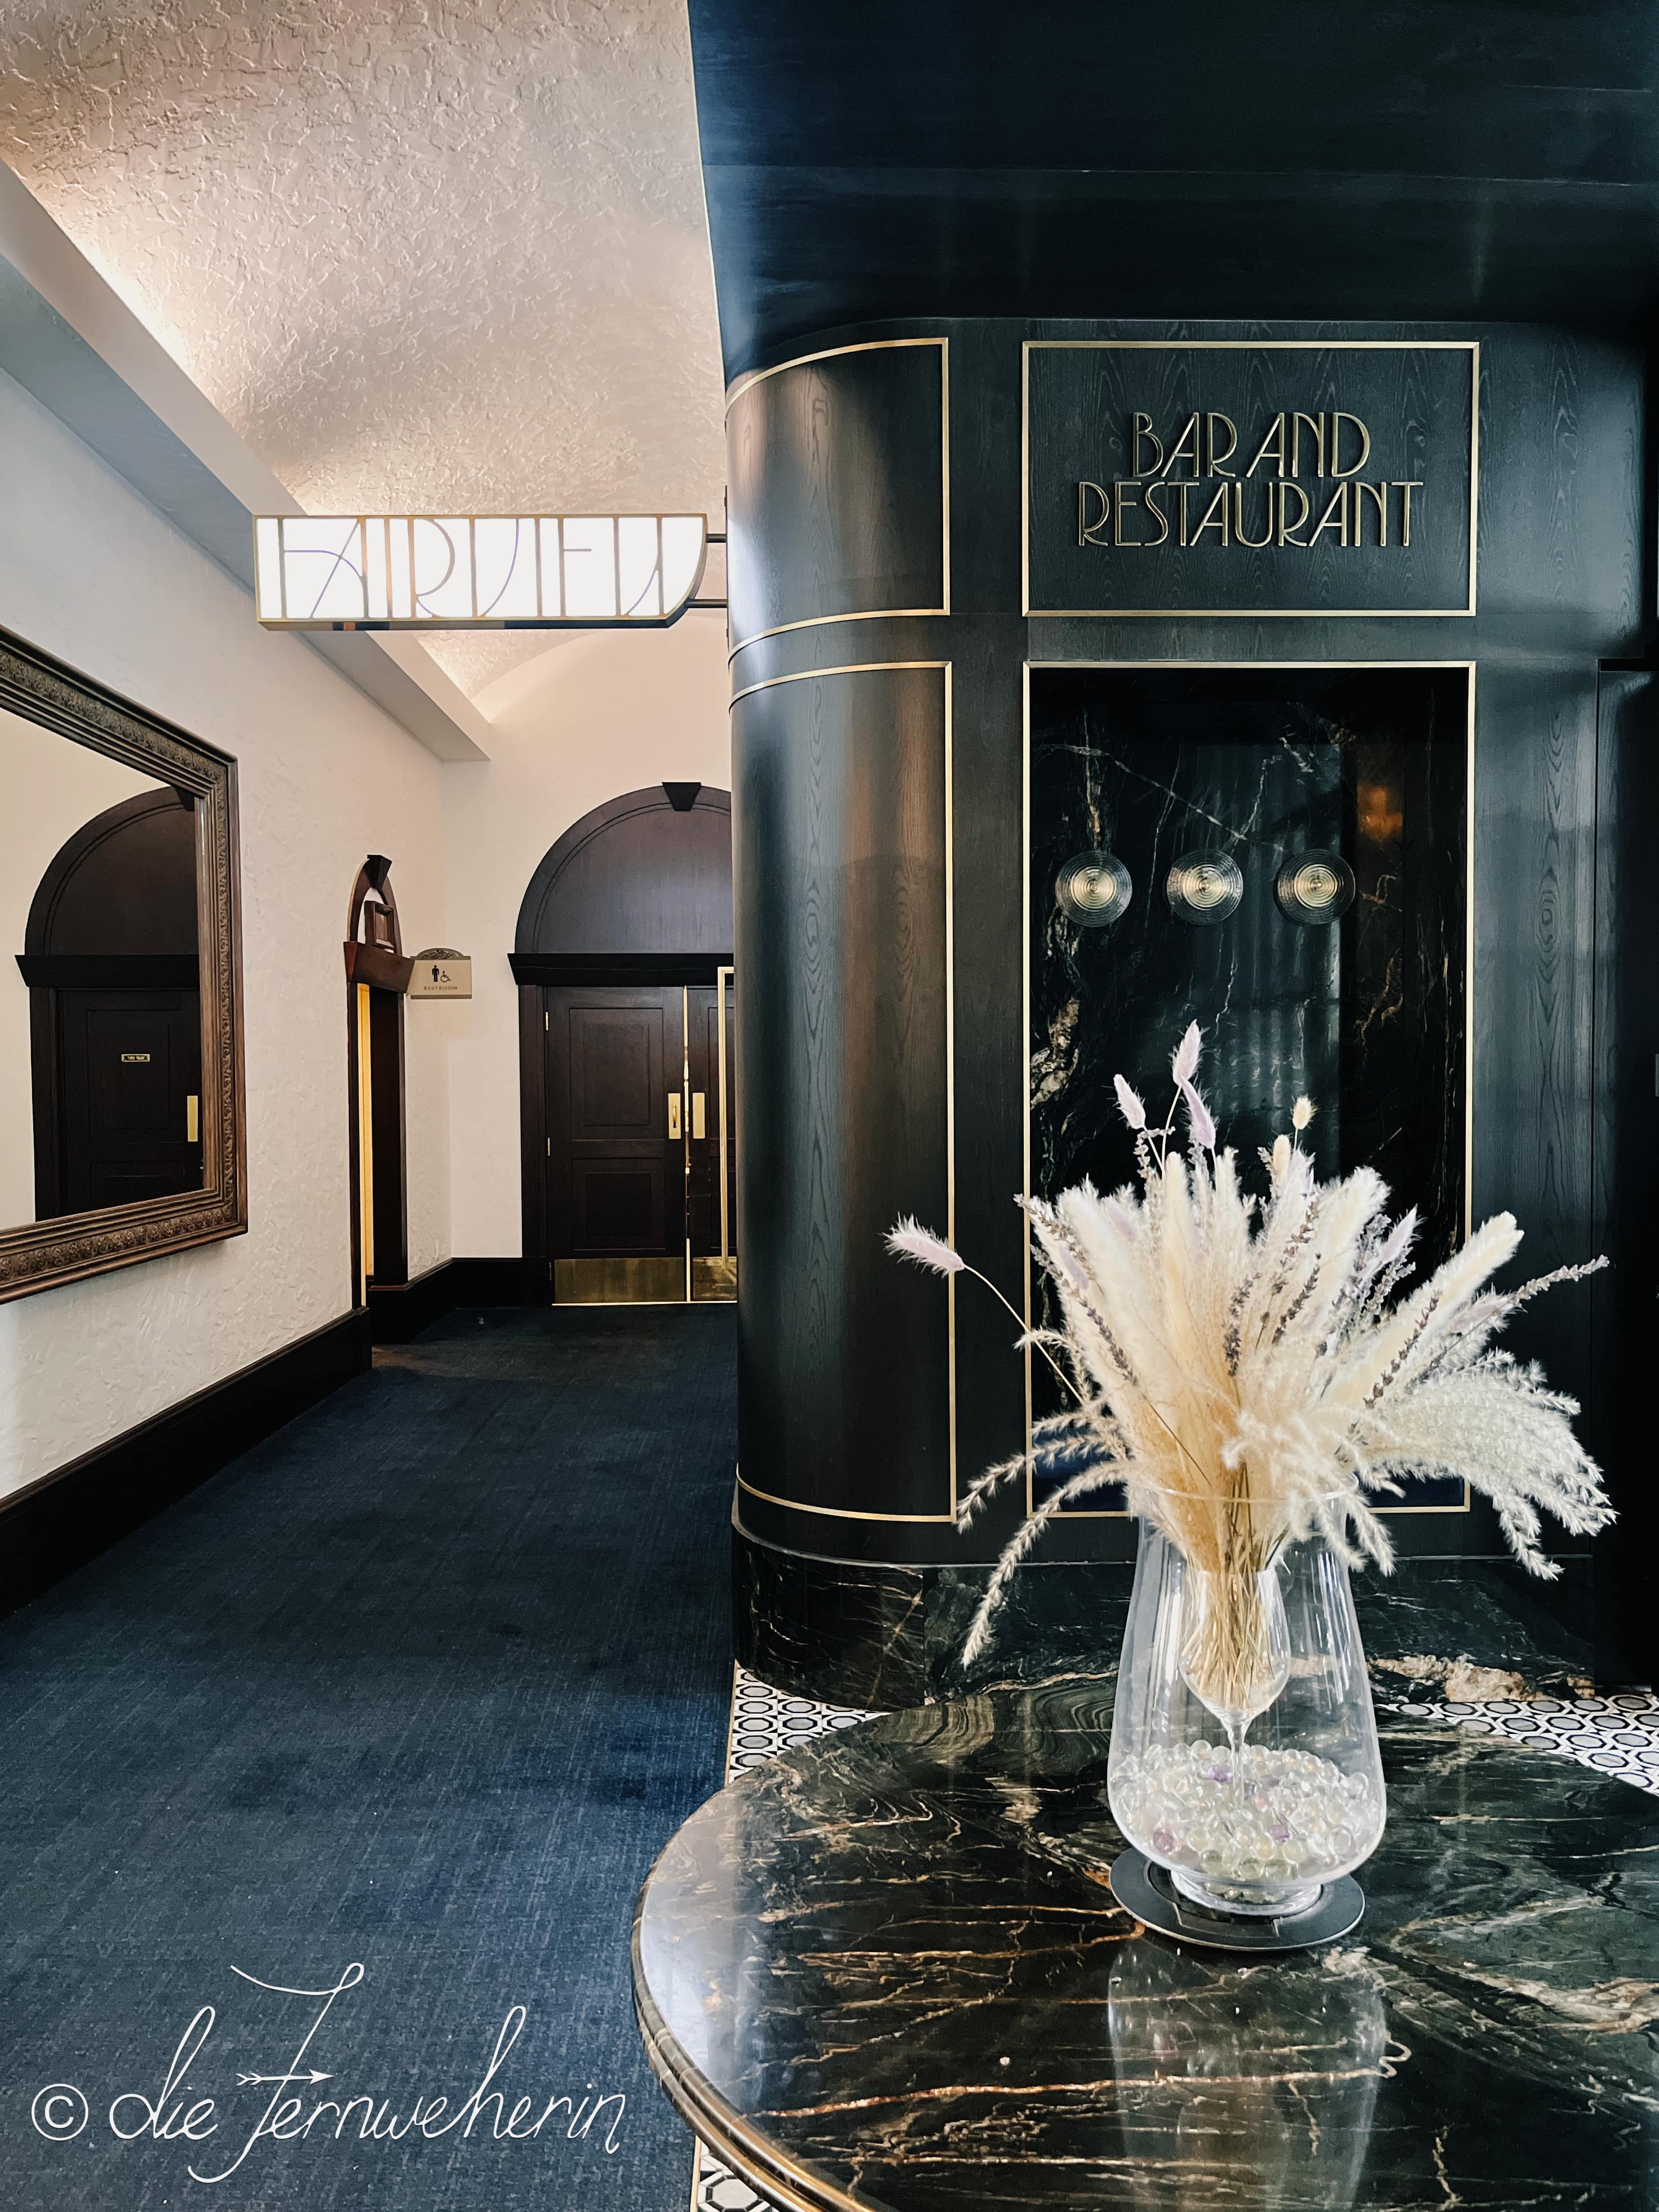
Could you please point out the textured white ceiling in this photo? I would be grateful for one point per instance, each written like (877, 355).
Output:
(429, 254)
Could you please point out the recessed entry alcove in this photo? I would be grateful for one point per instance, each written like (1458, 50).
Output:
(1280, 855)
(627, 1054)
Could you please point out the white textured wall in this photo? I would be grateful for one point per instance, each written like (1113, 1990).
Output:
(49, 788)
(451, 258)
(593, 717)
(90, 573)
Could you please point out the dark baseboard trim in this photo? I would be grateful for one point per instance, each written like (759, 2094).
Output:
(68, 1516)
(399, 1311)
(499, 1282)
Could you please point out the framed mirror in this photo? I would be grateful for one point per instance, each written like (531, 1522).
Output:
(121, 1131)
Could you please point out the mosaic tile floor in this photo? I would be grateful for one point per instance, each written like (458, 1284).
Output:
(1617, 1734)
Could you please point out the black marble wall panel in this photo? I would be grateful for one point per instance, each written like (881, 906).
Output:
(840, 786)
(836, 497)
(891, 1637)
(1364, 1013)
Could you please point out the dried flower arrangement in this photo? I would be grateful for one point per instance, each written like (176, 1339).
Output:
(1243, 1367)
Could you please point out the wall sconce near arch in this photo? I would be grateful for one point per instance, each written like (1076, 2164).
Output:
(478, 571)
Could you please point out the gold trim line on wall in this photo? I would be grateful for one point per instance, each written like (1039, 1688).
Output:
(869, 614)
(885, 667)
(1469, 669)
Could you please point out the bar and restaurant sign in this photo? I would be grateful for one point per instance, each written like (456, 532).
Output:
(1222, 478)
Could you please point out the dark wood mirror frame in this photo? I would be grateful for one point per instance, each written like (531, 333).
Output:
(39, 1254)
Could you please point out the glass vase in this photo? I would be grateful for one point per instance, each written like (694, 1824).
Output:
(1244, 1756)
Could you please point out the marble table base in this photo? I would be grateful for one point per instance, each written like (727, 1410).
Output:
(887, 1970)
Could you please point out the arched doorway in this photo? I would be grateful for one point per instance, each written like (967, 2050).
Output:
(377, 976)
(115, 1012)
(627, 1049)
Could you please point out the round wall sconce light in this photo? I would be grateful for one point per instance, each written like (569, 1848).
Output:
(1093, 888)
(1205, 886)
(1315, 888)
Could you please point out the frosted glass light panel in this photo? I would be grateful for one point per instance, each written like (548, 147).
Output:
(476, 572)
(1331, 806)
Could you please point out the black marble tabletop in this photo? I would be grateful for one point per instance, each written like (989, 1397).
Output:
(887, 1971)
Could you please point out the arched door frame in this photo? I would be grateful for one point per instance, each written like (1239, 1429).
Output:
(560, 940)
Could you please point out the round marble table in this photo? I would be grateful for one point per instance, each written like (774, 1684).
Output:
(887, 1971)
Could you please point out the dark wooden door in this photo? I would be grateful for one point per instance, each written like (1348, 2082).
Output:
(131, 1096)
(712, 1195)
(616, 1143)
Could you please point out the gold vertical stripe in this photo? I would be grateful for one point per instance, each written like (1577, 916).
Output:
(720, 975)
(365, 1144)
(950, 1077)
(1025, 1037)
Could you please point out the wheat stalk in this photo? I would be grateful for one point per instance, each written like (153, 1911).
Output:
(1243, 1365)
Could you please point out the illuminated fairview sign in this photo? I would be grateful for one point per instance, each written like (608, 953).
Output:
(476, 572)
(1250, 478)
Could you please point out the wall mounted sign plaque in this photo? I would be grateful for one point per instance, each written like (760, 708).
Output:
(1256, 478)
(441, 972)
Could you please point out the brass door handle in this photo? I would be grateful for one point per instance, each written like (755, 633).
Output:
(673, 1116)
(192, 1119)
(699, 1127)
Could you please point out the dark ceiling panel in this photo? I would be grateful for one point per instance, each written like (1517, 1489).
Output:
(1424, 159)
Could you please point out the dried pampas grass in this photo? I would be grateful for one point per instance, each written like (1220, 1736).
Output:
(1244, 1366)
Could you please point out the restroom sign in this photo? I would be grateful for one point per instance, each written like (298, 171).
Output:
(1296, 478)
(441, 972)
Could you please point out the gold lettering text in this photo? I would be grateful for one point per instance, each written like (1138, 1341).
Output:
(1142, 433)
(1088, 529)
(1126, 497)
(1215, 516)
(1184, 488)
(1405, 491)
(1335, 517)
(1273, 443)
(1337, 420)
(1185, 449)
(1282, 534)
(1266, 538)
(1212, 459)
(1153, 493)
(1379, 492)
(1317, 424)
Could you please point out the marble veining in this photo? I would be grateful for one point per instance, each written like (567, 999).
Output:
(1234, 776)
(891, 1960)
(862, 1637)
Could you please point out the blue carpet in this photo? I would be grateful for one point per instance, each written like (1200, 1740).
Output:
(422, 1684)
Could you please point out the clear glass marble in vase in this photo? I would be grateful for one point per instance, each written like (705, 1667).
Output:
(1244, 1755)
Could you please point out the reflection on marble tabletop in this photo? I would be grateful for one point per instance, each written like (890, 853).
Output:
(894, 1954)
